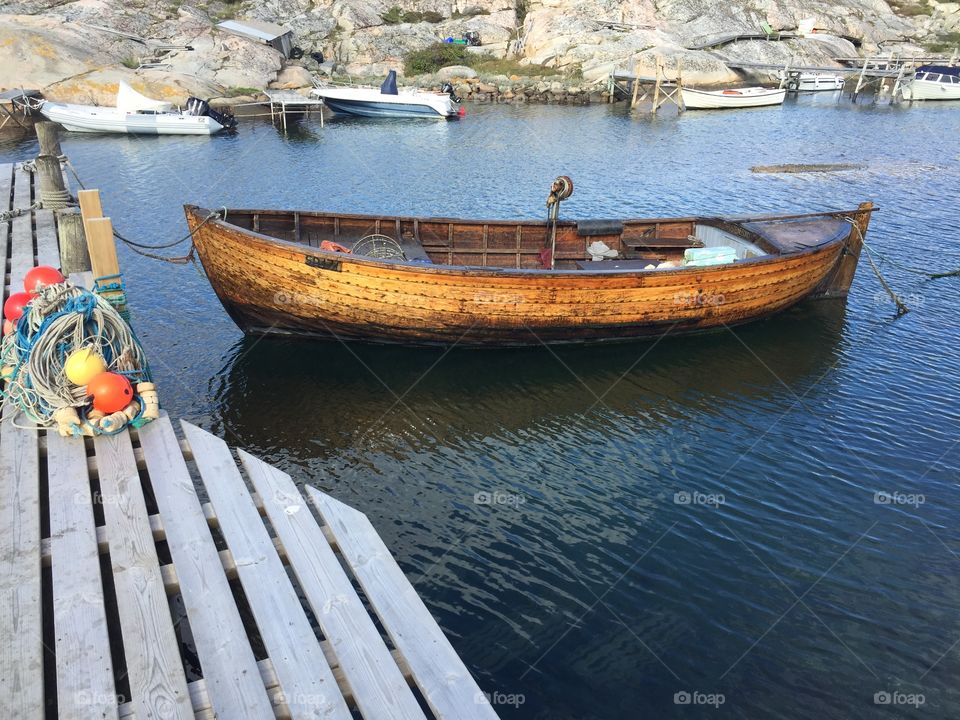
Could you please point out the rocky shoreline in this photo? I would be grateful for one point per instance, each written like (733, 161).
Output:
(77, 51)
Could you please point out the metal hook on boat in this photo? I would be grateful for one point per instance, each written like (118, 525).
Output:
(560, 190)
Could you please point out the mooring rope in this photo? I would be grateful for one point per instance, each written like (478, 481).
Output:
(56, 199)
(142, 248)
(901, 306)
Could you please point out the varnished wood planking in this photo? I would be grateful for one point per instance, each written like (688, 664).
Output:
(438, 671)
(378, 686)
(229, 666)
(305, 677)
(405, 302)
(85, 686)
(21, 638)
(155, 672)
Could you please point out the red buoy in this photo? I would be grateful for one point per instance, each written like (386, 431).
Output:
(15, 304)
(110, 392)
(39, 277)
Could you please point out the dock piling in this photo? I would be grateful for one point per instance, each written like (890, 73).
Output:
(48, 135)
(74, 255)
(53, 189)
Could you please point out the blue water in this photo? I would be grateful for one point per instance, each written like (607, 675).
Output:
(588, 587)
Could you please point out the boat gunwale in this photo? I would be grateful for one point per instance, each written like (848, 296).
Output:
(198, 213)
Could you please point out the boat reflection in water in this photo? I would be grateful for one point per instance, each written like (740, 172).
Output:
(329, 396)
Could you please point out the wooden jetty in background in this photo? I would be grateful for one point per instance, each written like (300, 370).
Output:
(283, 101)
(658, 87)
(146, 576)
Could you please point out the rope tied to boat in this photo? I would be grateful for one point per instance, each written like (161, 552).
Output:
(901, 306)
(143, 248)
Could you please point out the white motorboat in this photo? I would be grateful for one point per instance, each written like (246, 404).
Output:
(738, 98)
(933, 82)
(814, 82)
(138, 114)
(389, 102)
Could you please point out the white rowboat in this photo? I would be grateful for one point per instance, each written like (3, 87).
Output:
(739, 98)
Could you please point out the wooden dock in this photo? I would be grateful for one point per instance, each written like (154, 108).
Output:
(152, 577)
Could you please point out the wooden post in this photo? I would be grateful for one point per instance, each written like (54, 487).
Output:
(679, 89)
(90, 207)
(636, 83)
(48, 133)
(53, 191)
(103, 257)
(658, 73)
(74, 256)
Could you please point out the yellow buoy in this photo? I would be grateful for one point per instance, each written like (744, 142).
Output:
(83, 365)
(7, 372)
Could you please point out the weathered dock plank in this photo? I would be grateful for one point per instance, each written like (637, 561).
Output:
(85, 686)
(155, 670)
(48, 250)
(21, 233)
(21, 649)
(307, 681)
(6, 199)
(379, 688)
(231, 677)
(438, 671)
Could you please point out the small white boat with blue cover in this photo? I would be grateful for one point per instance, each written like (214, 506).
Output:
(388, 101)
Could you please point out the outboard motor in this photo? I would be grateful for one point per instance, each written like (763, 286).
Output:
(389, 86)
(197, 107)
(201, 108)
(448, 89)
(472, 38)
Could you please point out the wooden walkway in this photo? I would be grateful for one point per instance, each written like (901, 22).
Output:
(145, 576)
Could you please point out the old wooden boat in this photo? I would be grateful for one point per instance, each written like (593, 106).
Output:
(490, 282)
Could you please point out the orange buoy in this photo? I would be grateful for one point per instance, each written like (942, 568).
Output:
(13, 307)
(39, 277)
(110, 392)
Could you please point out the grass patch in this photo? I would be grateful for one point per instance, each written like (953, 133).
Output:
(238, 91)
(911, 9)
(946, 43)
(438, 55)
(130, 62)
(468, 13)
(395, 16)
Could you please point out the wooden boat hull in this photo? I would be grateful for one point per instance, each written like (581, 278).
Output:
(273, 286)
